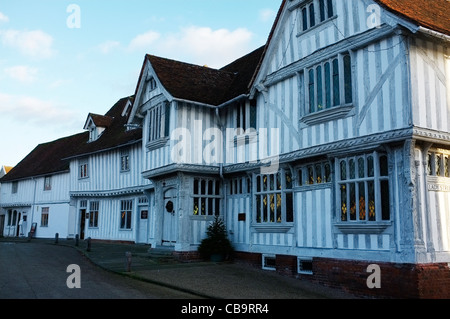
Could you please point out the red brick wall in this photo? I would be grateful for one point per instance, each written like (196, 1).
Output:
(187, 255)
(401, 281)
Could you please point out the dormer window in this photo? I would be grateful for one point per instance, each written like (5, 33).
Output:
(93, 134)
(96, 125)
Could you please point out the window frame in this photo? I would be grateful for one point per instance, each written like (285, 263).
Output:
(357, 176)
(14, 187)
(125, 161)
(83, 169)
(239, 186)
(47, 183)
(94, 209)
(329, 89)
(314, 13)
(126, 214)
(438, 163)
(245, 119)
(314, 174)
(45, 216)
(209, 198)
(152, 84)
(158, 125)
(10, 216)
(273, 189)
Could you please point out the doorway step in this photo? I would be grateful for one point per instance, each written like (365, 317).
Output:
(162, 254)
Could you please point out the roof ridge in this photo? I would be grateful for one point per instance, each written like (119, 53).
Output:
(205, 67)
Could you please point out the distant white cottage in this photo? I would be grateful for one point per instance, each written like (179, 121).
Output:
(326, 152)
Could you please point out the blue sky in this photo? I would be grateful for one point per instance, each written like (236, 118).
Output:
(59, 62)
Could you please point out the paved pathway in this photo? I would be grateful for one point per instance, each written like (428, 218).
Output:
(39, 271)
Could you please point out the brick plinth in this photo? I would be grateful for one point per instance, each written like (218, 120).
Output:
(187, 256)
(401, 281)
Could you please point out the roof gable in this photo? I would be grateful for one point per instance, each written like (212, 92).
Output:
(191, 82)
(199, 84)
(98, 121)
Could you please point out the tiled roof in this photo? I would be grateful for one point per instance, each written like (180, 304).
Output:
(46, 158)
(431, 14)
(244, 70)
(54, 157)
(101, 120)
(191, 82)
(203, 84)
(115, 134)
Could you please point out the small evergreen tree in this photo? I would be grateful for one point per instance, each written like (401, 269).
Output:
(216, 241)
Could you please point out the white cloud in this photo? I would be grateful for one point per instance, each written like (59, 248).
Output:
(267, 15)
(22, 73)
(36, 44)
(144, 40)
(3, 18)
(108, 46)
(215, 48)
(198, 45)
(34, 110)
(59, 83)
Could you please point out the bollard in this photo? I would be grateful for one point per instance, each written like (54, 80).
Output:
(128, 260)
(89, 244)
(77, 240)
(56, 238)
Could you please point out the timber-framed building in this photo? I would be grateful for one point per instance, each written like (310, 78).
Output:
(325, 151)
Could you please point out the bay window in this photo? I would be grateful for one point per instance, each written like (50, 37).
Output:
(158, 125)
(363, 188)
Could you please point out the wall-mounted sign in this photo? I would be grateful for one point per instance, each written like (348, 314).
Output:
(438, 187)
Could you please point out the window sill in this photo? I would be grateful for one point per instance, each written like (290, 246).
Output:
(334, 113)
(362, 227)
(272, 228)
(153, 145)
(202, 217)
(241, 139)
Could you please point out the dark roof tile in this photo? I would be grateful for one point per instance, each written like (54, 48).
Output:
(54, 157)
(203, 84)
